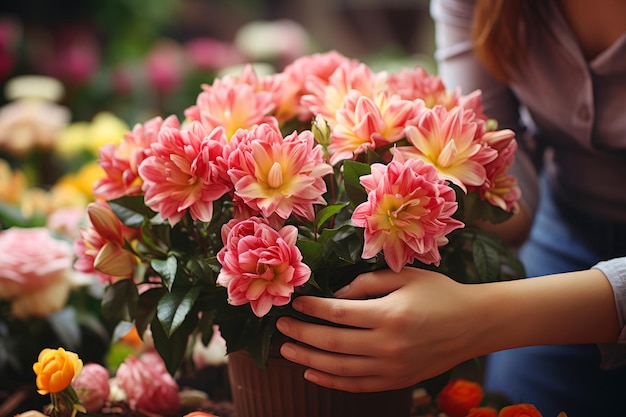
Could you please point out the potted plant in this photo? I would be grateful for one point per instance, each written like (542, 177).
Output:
(288, 184)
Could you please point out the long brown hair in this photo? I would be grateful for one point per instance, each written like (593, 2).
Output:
(502, 30)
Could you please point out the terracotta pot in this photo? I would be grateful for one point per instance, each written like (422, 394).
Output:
(281, 391)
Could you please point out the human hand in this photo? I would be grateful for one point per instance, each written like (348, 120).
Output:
(402, 328)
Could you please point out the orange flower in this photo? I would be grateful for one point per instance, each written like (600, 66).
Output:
(459, 396)
(520, 410)
(482, 412)
(132, 338)
(199, 414)
(55, 370)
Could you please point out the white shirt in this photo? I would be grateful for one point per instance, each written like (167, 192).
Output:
(574, 106)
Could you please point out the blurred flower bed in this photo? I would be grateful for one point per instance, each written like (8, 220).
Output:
(136, 58)
(73, 79)
(75, 76)
(142, 386)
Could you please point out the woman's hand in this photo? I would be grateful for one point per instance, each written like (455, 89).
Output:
(404, 328)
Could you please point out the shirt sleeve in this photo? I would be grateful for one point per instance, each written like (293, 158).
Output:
(459, 68)
(615, 271)
(614, 355)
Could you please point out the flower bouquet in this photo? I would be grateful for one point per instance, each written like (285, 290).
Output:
(293, 183)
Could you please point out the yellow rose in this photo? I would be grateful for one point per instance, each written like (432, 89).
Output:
(106, 128)
(55, 370)
(85, 178)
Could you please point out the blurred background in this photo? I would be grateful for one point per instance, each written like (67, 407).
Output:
(137, 56)
(78, 74)
(110, 64)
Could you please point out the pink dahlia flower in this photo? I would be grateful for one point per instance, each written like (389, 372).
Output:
(500, 188)
(121, 162)
(260, 265)
(293, 79)
(279, 176)
(407, 214)
(147, 385)
(451, 142)
(415, 83)
(327, 96)
(183, 173)
(232, 104)
(364, 123)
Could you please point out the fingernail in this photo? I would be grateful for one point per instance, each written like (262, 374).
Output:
(297, 305)
(311, 376)
(283, 326)
(287, 351)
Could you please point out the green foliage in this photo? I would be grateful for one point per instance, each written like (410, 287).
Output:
(187, 301)
(11, 216)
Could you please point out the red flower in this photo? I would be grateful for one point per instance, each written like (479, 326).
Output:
(459, 396)
(482, 412)
(520, 410)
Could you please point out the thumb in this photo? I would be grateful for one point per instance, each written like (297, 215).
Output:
(373, 284)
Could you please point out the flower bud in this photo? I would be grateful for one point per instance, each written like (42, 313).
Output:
(321, 130)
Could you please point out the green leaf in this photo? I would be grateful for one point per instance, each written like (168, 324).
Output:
(327, 212)
(200, 268)
(205, 326)
(131, 210)
(120, 300)
(352, 171)
(174, 307)
(155, 237)
(487, 260)
(474, 208)
(260, 350)
(147, 306)
(349, 248)
(312, 252)
(172, 348)
(166, 268)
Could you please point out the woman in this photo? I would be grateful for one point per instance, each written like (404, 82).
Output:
(555, 72)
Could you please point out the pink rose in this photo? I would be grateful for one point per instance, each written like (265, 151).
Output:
(35, 271)
(147, 385)
(92, 387)
(260, 265)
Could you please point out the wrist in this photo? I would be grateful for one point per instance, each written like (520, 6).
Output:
(568, 308)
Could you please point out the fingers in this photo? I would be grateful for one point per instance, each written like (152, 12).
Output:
(352, 313)
(331, 363)
(372, 285)
(332, 339)
(342, 372)
(353, 384)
